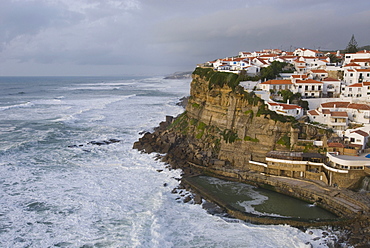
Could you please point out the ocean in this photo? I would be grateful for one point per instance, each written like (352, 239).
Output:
(70, 178)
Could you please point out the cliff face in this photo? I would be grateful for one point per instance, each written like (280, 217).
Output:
(223, 126)
(243, 132)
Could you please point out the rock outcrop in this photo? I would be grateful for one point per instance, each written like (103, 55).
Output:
(224, 128)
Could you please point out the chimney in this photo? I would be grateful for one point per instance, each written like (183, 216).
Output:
(287, 102)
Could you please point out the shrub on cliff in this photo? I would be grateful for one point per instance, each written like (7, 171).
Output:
(216, 78)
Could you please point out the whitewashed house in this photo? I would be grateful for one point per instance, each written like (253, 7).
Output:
(331, 87)
(357, 137)
(300, 66)
(286, 109)
(337, 120)
(359, 113)
(348, 57)
(318, 74)
(356, 75)
(307, 52)
(308, 88)
(276, 85)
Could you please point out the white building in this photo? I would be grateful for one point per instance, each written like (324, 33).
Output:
(357, 137)
(307, 52)
(286, 109)
(331, 87)
(276, 85)
(348, 57)
(308, 88)
(337, 120)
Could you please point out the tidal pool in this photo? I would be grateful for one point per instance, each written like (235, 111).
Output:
(258, 201)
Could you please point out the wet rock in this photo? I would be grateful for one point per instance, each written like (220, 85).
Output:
(197, 199)
(187, 199)
(212, 208)
(98, 143)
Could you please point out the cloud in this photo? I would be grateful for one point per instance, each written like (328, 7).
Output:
(164, 35)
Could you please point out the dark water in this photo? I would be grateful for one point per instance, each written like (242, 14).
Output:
(258, 201)
(58, 189)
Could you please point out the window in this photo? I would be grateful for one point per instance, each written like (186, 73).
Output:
(301, 87)
(319, 87)
(306, 87)
(351, 74)
(312, 94)
(350, 89)
(313, 87)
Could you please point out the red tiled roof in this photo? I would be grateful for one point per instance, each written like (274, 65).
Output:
(313, 112)
(275, 81)
(355, 85)
(330, 79)
(319, 71)
(326, 111)
(351, 64)
(359, 106)
(290, 106)
(337, 104)
(335, 145)
(360, 60)
(308, 81)
(300, 76)
(339, 114)
(362, 133)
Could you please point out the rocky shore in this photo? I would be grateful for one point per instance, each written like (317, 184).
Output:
(227, 132)
(182, 151)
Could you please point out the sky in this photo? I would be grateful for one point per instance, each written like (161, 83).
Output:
(159, 37)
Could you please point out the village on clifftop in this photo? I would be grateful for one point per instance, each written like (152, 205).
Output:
(336, 89)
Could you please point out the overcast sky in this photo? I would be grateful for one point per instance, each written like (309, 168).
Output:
(153, 37)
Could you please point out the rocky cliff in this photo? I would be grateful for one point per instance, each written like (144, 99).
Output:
(224, 128)
(223, 125)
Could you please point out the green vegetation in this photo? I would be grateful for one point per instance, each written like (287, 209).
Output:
(295, 98)
(285, 141)
(243, 76)
(272, 71)
(334, 58)
(216, 78)
(195, 105)
(248, 138)
(229, 136)
(219, 79)
(352, 46)
(181, 123)
(251, 97)
(201, 126)
(263, 110)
